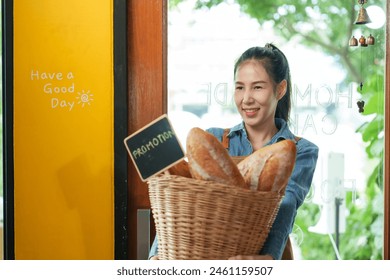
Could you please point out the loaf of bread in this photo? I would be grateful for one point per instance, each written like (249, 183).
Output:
(269, 168)
(180, 169)
(209, 160)
(237, 159)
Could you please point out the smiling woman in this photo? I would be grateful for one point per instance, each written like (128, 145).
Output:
(262, 96)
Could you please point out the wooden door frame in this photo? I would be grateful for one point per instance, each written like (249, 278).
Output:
(147, 92)
(386, 235)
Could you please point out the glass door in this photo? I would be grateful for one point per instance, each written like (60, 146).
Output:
(338, 102)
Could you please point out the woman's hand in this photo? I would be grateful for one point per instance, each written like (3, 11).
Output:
(254, 257)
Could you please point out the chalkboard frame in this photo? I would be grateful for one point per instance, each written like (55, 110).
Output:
(120, 129)
(167, 155)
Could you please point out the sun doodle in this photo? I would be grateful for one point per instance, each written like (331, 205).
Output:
(84, 98)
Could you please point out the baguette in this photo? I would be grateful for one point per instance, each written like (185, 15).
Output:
(209, 160)
(269, 168)
(180, 169)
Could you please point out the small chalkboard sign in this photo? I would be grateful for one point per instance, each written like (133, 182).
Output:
(154, 148)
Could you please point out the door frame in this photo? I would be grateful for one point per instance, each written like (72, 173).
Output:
(161, 94)
(386, 233)
(120, 130)
(147, 95)
(386, 188)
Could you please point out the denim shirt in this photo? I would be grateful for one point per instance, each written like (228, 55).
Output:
(296, 190)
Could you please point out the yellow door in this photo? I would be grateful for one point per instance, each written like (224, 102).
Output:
(63, 129)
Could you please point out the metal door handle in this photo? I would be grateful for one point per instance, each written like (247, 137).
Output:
(143, 233)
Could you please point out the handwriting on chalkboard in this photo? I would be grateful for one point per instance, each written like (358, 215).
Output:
(152, 143)
(61, 89)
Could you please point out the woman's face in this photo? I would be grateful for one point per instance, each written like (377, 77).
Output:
(256, 95)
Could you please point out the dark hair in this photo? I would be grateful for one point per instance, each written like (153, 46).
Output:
(276, 65)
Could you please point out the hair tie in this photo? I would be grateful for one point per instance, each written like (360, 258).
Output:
(269, 46)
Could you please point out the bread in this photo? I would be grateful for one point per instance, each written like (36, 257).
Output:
(237, 159)
(209, 160)
(269, 168)
(180, 169)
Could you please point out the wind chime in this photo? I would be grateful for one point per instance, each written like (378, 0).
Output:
(362, 19)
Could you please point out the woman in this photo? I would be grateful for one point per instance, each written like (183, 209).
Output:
(263, 98)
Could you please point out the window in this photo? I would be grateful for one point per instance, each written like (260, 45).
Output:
(344, 210)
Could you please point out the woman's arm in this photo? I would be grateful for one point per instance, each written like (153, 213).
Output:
(153, 253)
(296, 191)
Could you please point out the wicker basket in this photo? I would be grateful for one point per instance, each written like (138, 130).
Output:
(205, 220)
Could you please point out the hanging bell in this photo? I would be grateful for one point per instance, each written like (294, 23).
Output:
(353, 42)
(362, 41)
(360, 104)
(362, 17)
(370, 40)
